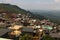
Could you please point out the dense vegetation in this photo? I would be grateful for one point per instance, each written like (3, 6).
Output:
(11, 8)
(47, 37)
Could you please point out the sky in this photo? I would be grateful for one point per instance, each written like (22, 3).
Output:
(35, 4)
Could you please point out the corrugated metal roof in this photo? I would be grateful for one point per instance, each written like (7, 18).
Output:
(27, 30)
(3, 31)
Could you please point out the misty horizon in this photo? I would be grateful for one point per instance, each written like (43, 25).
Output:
(35, 4)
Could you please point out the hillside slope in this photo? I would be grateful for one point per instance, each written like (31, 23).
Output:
(16, 9)
(11, 8)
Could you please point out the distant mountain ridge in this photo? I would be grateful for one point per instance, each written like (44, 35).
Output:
(53, 15)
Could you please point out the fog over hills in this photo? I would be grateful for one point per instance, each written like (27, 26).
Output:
(53, 15)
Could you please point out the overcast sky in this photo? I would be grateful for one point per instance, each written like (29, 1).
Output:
(35, 4)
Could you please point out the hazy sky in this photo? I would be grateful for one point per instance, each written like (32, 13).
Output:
(35, 4)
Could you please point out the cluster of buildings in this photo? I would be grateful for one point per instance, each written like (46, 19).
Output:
(14, 25)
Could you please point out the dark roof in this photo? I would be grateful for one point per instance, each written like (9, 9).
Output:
(56, 35)
(28, 30)
(4, 31)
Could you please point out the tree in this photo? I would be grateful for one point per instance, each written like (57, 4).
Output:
(47, 37)
(26, 37)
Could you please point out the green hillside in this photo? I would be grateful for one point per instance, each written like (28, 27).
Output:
(11, 8)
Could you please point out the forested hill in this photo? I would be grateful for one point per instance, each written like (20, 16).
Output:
(11, 8)
(16, 9)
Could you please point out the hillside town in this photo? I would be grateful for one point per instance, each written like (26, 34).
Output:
(19, 26)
